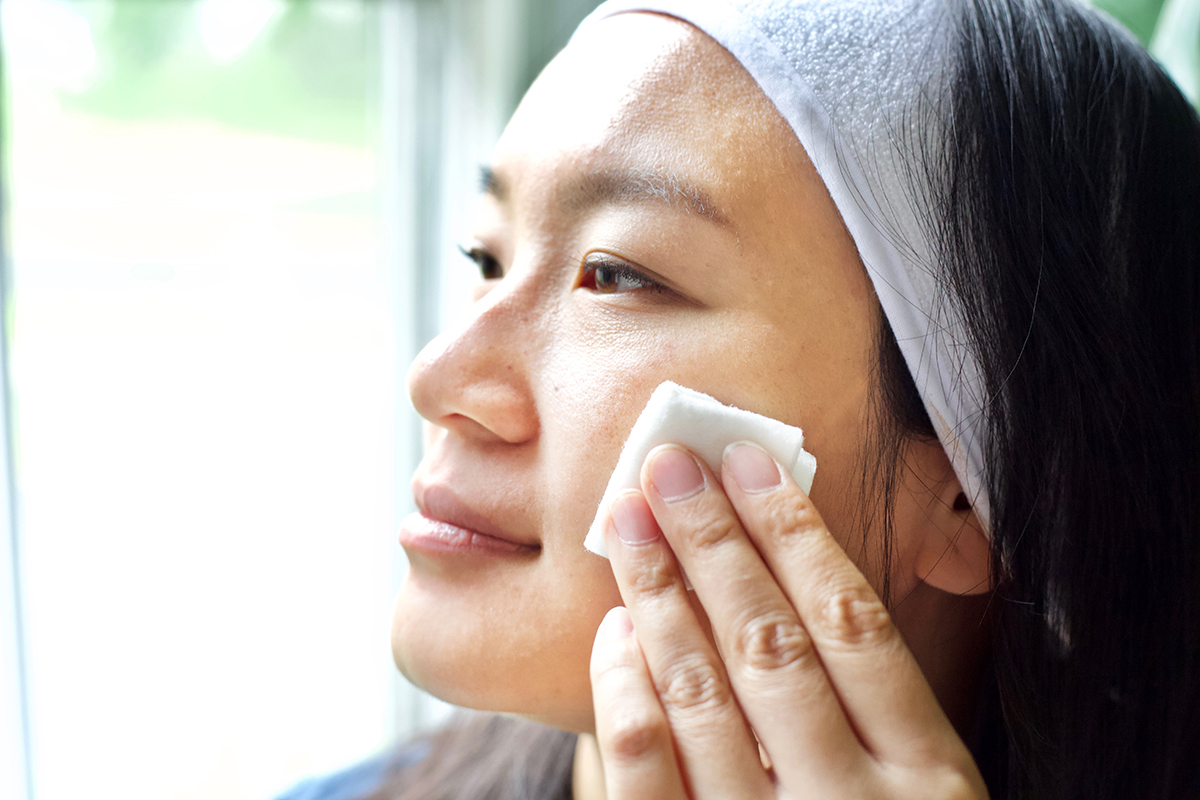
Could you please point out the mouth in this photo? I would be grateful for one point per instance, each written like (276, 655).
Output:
(446, 524)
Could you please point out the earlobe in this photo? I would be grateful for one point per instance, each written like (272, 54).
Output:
(946, 541)
(955, 557)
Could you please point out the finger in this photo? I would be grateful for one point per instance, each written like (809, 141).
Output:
(716, 751)
(775, 671)
(882, 689)
(631, 728)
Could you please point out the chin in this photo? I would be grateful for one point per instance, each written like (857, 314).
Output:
(468, 660)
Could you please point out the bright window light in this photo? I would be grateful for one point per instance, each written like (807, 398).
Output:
(229, 27)
(204, 372)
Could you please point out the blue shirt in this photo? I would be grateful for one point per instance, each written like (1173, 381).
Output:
(357, 781)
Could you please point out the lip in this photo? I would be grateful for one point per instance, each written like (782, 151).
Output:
(446, 524)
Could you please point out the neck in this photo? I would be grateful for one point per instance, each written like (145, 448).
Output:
(950, 636)
(587, 774)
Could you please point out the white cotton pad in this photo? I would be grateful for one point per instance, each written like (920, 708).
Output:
(676, 415)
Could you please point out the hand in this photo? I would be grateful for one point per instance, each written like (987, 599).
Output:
(803, 655)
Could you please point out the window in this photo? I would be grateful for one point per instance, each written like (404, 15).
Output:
(227, 225)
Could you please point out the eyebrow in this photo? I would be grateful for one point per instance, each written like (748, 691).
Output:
(624, 186)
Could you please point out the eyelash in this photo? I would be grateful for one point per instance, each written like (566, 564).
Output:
(618, 271)
(484, 261)
(615, 270)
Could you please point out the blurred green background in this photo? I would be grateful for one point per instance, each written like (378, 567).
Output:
(1171, 30)
(301, 69)
(292, 78)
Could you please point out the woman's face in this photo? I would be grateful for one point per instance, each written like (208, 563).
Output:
(654, 218)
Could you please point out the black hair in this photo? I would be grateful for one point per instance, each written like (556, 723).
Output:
(1067, 219)
(1064, 204)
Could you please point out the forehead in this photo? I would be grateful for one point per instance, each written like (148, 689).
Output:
(616, 74)
(651, 93)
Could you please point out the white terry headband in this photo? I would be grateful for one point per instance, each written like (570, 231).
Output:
(854, 78)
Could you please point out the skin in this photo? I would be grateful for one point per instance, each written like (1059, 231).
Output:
(748, 288)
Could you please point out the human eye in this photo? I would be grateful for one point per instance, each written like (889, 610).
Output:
(489, 267)
(606, 274)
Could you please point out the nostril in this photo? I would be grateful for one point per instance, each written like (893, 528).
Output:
(468, 428)
(493, 411)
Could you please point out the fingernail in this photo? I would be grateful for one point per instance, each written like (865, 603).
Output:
(675, 474)
(632, 519)
(615, 625)
(752, 468)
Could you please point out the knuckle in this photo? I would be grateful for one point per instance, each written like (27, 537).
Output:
(613, 664)
(944, 781)
(634, 735)
(653, 577)
(713, 531)
(772, 642)
(952, 784)
(796, 517)
(854, 616)
(692, 685)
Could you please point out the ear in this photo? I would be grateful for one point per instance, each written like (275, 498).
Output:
(944, 545)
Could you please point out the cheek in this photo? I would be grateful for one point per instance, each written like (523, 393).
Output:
(592, 392)
(814, 376)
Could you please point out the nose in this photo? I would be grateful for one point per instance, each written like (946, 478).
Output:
(475, 381)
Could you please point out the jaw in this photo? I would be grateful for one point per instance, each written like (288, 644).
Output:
(489, 644)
